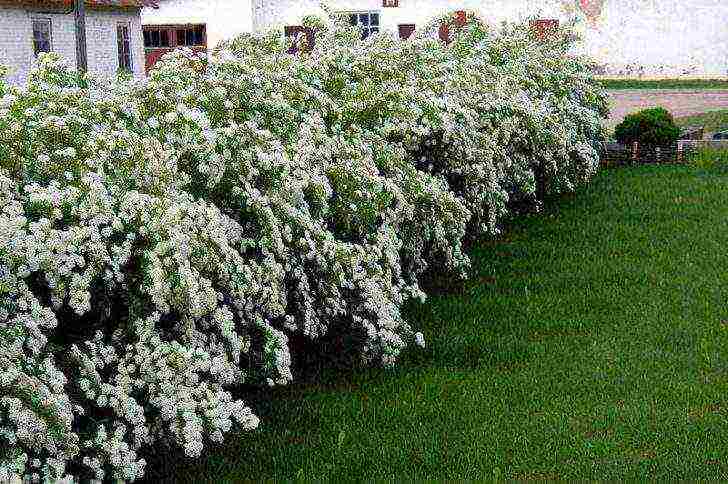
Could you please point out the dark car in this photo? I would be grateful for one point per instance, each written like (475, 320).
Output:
(720, 135)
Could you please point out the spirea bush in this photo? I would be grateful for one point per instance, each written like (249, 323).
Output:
(164, 241)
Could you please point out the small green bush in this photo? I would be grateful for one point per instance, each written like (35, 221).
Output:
(654, 126)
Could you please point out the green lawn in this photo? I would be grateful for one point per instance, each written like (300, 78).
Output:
(591, 342)
(712, 120)
(665, 83)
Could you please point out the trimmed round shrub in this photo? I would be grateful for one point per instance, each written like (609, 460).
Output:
(164, 241)
(654, 126)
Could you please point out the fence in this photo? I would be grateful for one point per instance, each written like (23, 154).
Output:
(720, 144)
(616, 154)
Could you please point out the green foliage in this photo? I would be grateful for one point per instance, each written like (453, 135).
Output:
(3, 73)
(172, 243)
(654, 126)
(312, 21)
(619, 357)
(710, 121)
(664, 83)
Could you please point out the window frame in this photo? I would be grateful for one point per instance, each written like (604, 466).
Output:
(367, 29)
(191, 29)
(147, 33)
(49, 22)
(121, 43)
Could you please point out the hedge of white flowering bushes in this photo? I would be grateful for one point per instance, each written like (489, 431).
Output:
(163, 241)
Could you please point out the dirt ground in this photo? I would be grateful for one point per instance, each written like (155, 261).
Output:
(678, 102)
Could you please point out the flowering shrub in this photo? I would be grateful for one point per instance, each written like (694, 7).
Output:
(162, 241)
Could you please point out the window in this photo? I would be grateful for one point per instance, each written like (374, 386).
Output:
(41, 35)
(405, 30)
(193, 36)
(390, 3)
(367, 21)
(156, 38)
(122, 38)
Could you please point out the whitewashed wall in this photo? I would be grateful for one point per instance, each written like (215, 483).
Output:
(101, 41)
(650, 38)
(225, 19)
(665, 38)
(16, 40)
(273, 14)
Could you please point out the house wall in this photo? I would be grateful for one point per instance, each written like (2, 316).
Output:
(224, 19)
(16, 40)
(630, 38)
(101, 41)
(273, 14)
(665, 38)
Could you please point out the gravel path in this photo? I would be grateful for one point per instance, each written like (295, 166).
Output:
(681, 102)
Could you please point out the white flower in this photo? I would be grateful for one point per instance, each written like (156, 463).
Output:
(220, 230)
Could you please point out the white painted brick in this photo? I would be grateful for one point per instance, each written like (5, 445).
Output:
(16, 40)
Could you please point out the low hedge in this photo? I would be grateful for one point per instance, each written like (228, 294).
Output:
(163, 241)
(654, 126)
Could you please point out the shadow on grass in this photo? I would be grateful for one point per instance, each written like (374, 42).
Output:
(573, 351)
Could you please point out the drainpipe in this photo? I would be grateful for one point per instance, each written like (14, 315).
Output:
(80, 17)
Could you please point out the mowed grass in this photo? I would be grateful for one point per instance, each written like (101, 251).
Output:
(591, 342)
(664, 83)
(711, 120)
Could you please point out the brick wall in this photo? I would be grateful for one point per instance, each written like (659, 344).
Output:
(16, 40)
(102, 50)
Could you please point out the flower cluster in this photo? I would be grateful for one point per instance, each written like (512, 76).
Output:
(162, 240)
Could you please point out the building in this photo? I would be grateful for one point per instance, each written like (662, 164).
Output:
(197, 24)
(113, 35)
(628, 38)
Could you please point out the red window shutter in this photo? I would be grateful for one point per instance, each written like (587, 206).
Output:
(310, 37)
(405, 30)
(544, 27)
(444, 33)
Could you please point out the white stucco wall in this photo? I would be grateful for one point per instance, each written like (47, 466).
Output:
(16, 40)
(225, 19)
(650, 38)
(667, 38)
(276, 13)
(653, 38)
